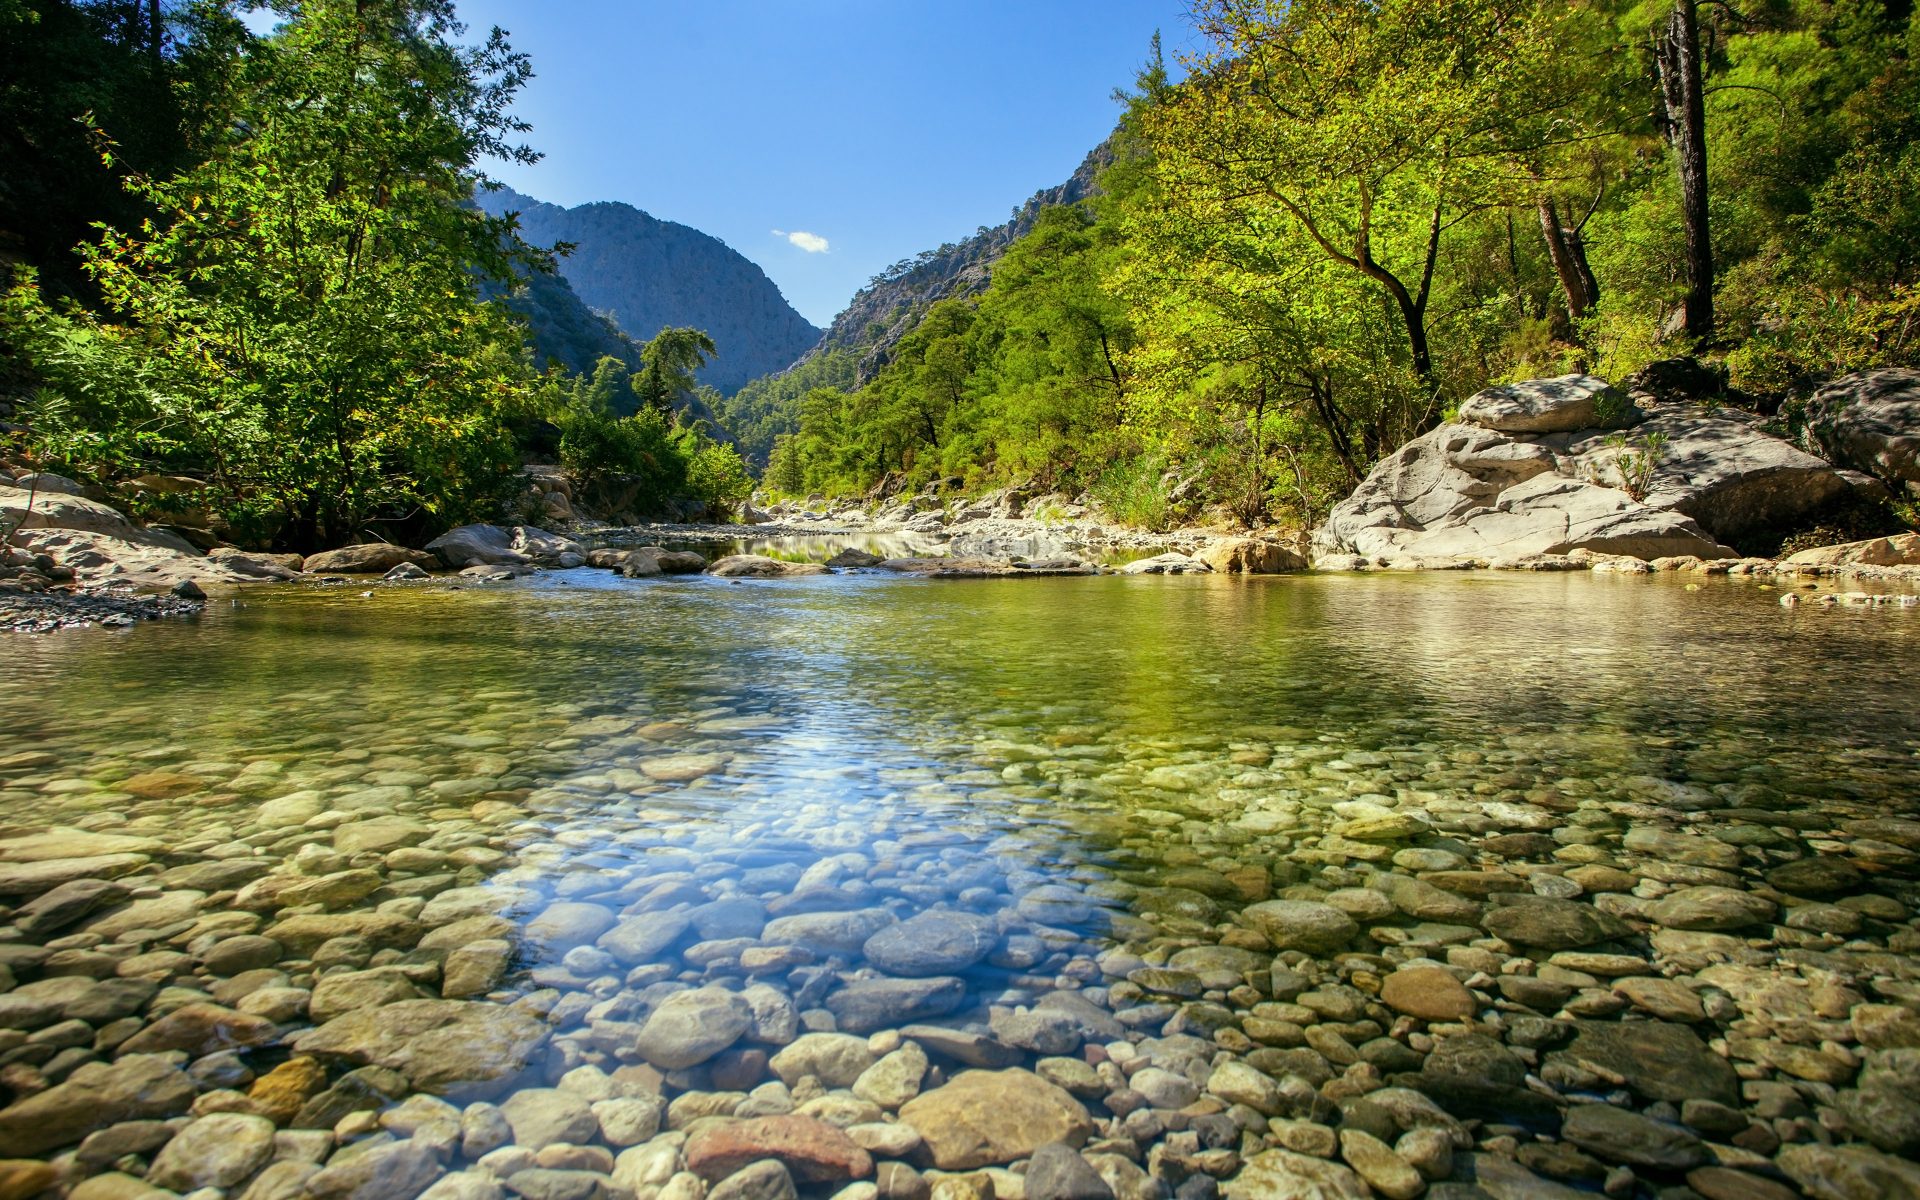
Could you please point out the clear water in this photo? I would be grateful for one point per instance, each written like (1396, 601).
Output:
(1126, 744)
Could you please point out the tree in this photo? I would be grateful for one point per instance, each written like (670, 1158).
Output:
(1372, 127)
(313, 282)
(1677, 52)
(671, 357)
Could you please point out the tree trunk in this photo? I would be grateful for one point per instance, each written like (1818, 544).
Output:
(1678, 55)
(1561, 253)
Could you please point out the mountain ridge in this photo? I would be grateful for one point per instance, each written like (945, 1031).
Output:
(646, 274)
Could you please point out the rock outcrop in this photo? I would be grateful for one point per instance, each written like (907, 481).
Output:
(1536, 469)
(1870, 421)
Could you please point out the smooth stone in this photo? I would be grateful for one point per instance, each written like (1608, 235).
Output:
(1620, 1136)
(132, 1088)
(811, 1150)
(1304, 925)
(1057, 1172)
(1285, 1175)
(836, 1059)
(1659, 1061)
(984, 1118)
(935, 942)
(1545, 923)
(448, 1047)
(866, 1005)
(1711, 908)
(215, 1151)
(540, 1117)
(691, 1027)
(1429, 993)
(768, 1180)
(396, 1171)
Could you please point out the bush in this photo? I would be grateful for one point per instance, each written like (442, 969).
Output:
(1134, 491)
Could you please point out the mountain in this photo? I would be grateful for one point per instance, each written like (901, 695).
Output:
(647, 274)
(888, 308)
(564, 328)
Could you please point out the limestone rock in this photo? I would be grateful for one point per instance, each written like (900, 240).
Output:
(373, 558)
(1251, 556)
(1898, 550)
(215, 1151)
(1557, 405)
(1304, 925)
(1870, 421)
(982, 1118)
(477, 545)
(1273, 1174)
(735, 566)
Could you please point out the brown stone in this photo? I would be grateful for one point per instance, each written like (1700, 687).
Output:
(198, 1029)
(1430, 993)
(20, 1178)
(280, 1092)
(161, 785)
(1724, 1183)
(983, 1118)
(814, 1151)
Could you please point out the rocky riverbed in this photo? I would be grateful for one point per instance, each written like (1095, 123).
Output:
(945, 914)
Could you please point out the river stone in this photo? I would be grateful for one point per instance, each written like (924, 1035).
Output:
(1303, 925)
(768, 1180)
(157, 912)
(895, 1079)
(201, 1028)
(335, 995)
(215, 1151)
(308, 932)
(735, 566)
(395, 1171)
(936, 942)
(984, 1118)
(638, 940)
(132, 1088)
(540, 1117)
(836, 1059)
(1711, 908)
(1659, 1061)
(811, 1150)
(448, 1047)
(378, 835)
(567, 924)
(1545, 923)
(1430, 993)
(1882, 1108)
(70, 902)
(1284, 1175)
(691, 1027)
(64, 843)
(866, 1005)
(1850, 1173)
(1057, 1172)
(1820, 875)
(33, 878)
(1620, 1136)
(827, 933)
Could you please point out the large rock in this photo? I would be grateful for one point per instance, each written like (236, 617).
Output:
(1549, 406)
(138, 1087)
(1284, 1175)
(1250, 556)
(373, 558)
(58, 510)
(446, 1046)
(1729, 477)
(1532, 468)
(735, 566)
(1899, 550)
(1549, 923)
(984, 1118)
(477, 545)
(866, 1005)
(1850, 1173)
(1463, 492)
(395, 1171)
(1870, 421)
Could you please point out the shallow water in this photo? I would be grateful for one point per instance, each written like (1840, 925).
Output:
(1107, 769)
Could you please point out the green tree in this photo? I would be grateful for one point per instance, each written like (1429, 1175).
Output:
(313, 283)
(670, 358)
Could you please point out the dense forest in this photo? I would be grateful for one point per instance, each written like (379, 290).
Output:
(1348, 217)
(253, 262)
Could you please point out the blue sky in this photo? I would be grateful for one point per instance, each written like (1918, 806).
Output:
(879, 128)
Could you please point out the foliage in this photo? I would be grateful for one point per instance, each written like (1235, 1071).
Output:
(768, 407)
(1635, 460)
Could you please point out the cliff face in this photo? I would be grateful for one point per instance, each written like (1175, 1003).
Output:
(890, 306)
(647, 274)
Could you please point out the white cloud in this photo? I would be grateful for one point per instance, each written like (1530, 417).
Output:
(812, 243)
